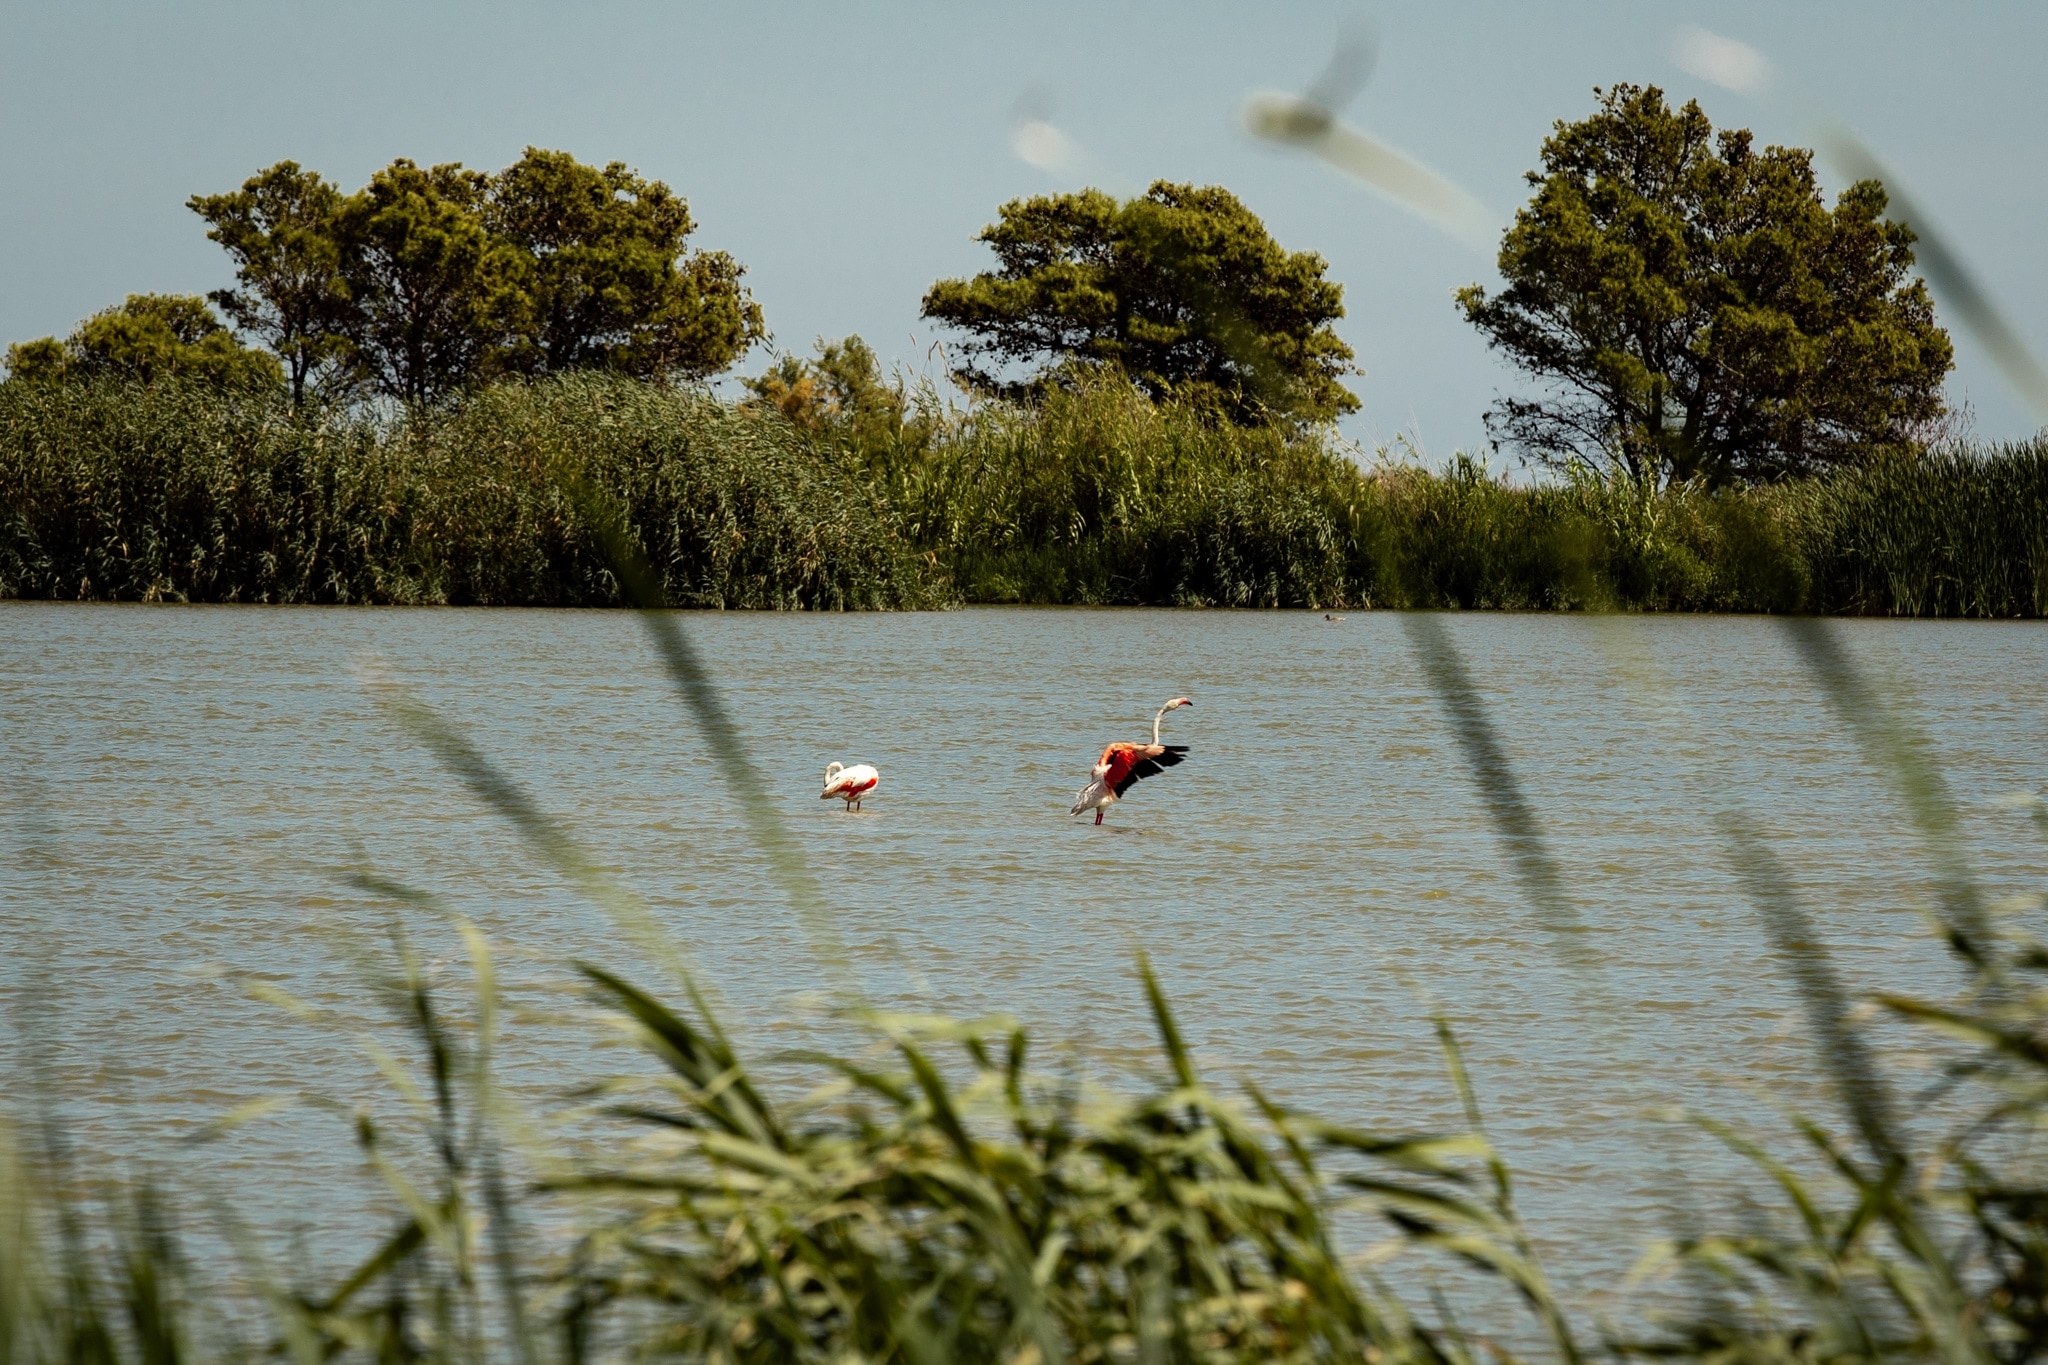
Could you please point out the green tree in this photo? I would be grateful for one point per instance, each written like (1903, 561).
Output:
(38, 361)
(842, 390)
(434, 298)
(1181, 289)
(280, 228)
(149, 337)
(606, 280)
(1697, 310)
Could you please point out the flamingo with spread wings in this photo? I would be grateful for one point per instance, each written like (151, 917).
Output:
(1122, 764)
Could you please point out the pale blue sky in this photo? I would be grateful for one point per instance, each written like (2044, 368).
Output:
(848, 154)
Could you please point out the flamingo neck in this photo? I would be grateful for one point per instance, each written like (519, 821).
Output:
(1155, 724)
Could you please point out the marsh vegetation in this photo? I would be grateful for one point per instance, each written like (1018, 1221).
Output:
(877, 496)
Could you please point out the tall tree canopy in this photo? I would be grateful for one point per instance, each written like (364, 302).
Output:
(1182, 289)
(430, 279)
(433, 295)
(605, 279)
(1697, 310)
(279, 228)
(149, 337)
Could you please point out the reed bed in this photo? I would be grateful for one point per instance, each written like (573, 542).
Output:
(158, 493)
(1956, 533)
(1098, 496)
(1094, 496)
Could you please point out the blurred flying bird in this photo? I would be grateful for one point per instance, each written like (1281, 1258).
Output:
(1724, 61)
(1034, 138)
(1737, 66)
(1043, 145)
(1122, 764)
(849, 784)
(1309, 120)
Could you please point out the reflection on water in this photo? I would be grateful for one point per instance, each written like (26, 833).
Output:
(1310, 883)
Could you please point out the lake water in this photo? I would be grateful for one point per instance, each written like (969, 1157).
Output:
(186, 787)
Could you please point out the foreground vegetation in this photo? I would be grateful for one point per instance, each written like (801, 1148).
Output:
(833, 491)
(941, 1198)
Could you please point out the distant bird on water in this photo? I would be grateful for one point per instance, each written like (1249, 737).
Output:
(849, 784)
(1122, 764)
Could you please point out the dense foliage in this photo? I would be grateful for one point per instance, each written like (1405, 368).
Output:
(152, 493)
(431, 280)
(1181, 290)
(832, 488)
(1694, 307)
(148, 337)
(1697, 309)
(841, 392)
(279, 228)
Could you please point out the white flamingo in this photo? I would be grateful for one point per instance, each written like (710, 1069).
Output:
(1122, 764)
(849, 784)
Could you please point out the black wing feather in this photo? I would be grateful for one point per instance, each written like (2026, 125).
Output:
(1146, 767)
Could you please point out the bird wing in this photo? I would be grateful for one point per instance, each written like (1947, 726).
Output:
(859, 777)
(1144, 763)
(1087, 797)
(1117, 761)
(1304, 123)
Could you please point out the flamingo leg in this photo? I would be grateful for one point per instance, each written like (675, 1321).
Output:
(1098, 817)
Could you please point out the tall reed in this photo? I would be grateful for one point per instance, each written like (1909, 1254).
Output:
(1098, 496)
(1960, 532)
(158, 493)
(1094, 496)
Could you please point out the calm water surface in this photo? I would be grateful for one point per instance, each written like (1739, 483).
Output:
(188, 785)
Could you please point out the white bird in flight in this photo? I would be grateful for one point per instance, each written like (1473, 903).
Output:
(1309, 121)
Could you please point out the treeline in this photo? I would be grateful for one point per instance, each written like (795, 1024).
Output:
(419, 392)
(1686, 306)
(427, 282)
(831, 489)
